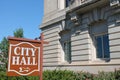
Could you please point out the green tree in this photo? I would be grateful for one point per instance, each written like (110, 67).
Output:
(5, 44)
(19, 33)
(4, 51)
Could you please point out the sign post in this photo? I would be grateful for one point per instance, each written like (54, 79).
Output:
(41, 61)
(25, 57)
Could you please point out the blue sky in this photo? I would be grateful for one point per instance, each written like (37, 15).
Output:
(26, 14)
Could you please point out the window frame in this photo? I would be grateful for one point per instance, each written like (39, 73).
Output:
(68, 54)
(67, 3)
(103, 49)
(93, 33)
(65, 37)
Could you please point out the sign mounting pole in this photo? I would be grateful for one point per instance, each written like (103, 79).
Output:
(41, 54)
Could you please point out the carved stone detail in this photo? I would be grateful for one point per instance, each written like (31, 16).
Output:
(114, 3)
(62, 25)
(72, 1)
(97, 15)
(74, 18)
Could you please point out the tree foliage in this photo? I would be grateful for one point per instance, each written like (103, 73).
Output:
(19, 33)
(4, 44)
(4, 53)
(4, 47)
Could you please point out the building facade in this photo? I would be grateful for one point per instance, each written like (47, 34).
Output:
(83, 35)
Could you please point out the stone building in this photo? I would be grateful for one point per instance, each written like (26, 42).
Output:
(82, 35)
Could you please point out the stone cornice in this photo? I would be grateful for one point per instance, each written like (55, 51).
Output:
(86, 6)
(60, 18)
(60, 15)
(53, 17)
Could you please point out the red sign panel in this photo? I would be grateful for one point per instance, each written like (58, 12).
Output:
(24, 57)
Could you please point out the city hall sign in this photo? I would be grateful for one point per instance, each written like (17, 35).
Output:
(24, 57)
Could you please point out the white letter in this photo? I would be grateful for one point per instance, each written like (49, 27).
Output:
(23, 61)
(16, 50)
(33, 51)
(34, 61)
(15, 60)
(22, 50)
(27, 51)
(28, 61)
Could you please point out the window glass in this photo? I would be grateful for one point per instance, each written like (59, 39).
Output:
(67, 3)
(106, 46)
(99, 36)
(65, 42)
(67, 51)
(99, 46)
(102, 46)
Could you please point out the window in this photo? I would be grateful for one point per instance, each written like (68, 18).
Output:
(65, 46)
(100, 40)
(67, 51)
(69, 2)
(102, 46)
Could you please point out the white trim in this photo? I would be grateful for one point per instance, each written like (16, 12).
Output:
(93, 50)
(61, 54)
